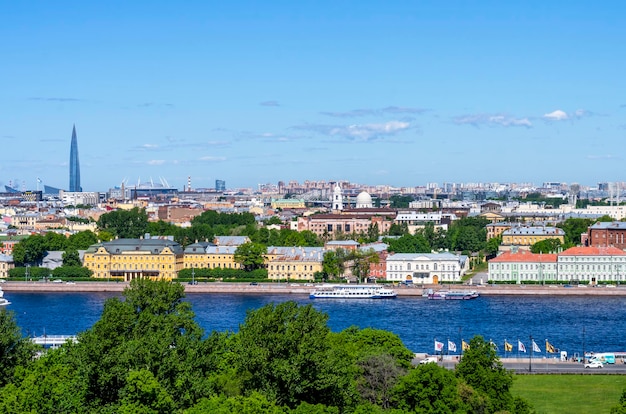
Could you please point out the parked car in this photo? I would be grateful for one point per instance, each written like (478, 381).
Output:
(57, 281)
(594, 364)
(428, 360)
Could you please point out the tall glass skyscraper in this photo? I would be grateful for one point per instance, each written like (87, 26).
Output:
(74, 164)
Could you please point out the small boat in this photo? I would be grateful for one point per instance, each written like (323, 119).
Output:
(352, 292)
(453, 295)
(3, 301)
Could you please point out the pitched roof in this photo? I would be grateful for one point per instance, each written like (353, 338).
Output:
(593, 251)
(524, 257)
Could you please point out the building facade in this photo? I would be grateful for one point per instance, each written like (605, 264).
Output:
(6, 264)
(588, 265)
(523, 266)
(129, 259)
(294, 263)
(425, 268)
(328, 226)
(525, 236)
(607, 234)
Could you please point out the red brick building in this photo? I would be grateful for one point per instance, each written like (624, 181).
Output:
(607, 234)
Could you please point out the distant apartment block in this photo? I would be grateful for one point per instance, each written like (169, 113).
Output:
(220, 185)
(70, 198)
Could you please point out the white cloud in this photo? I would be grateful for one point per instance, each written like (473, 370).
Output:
(375, 112)
(492, 120)
(212, 158)
(366, 132)
(156, 162)
(557, 115)
(363, 132)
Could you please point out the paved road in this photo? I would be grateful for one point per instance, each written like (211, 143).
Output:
(540, 366)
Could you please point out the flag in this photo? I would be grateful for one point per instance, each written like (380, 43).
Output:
(493, 345)
(438, 346)
(39, 180)
(549, 348)
(508, 347)
(536, 347)
(464, 346)
(520, 346)
(451, 346)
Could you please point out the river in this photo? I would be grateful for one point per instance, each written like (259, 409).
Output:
(570, 323)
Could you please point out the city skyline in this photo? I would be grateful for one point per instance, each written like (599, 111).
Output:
(402, 94)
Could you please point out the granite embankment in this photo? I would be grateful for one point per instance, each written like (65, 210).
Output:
(284, 288)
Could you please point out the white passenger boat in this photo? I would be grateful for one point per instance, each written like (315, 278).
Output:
(453, 294)
(352, 292)
(3, 301)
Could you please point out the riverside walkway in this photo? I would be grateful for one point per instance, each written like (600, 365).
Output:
(301, 289)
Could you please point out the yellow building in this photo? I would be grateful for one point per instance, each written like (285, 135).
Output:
(6, 264)
(294, 263)
(286, 203)
(526, 236)
(129, 259)
(205, 255)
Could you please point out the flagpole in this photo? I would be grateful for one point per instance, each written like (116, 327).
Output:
(530, 358)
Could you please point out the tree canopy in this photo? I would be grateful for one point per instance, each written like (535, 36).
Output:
(147, 354)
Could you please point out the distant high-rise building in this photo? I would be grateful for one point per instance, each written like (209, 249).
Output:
(220, 185)
(74, 164)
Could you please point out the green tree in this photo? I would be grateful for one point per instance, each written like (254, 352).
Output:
(408, 244)
(283, 351)
(55, 241)
(15, 350)
(546, 246)
(400, 201)
(126, 224)
(31, 250)
(71, 258)
(482, 370)
(333, 263)
(154, 330)
(379, 374)
(273, 220)
(493, 245)
(573, 228)
(428, 388)
(82, 240)
(361, 261)
(250, 255)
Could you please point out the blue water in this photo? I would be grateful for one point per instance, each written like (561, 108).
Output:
(417, 321)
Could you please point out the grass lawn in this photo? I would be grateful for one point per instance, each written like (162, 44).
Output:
(550, 394)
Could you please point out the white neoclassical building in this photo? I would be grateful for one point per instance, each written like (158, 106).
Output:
(523, 266)
(426, 267)
(592, 265)
(588, 265)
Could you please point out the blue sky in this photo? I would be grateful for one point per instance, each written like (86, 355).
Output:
(400, 93)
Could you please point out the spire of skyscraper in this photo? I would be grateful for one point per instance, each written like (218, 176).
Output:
(74, 164)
